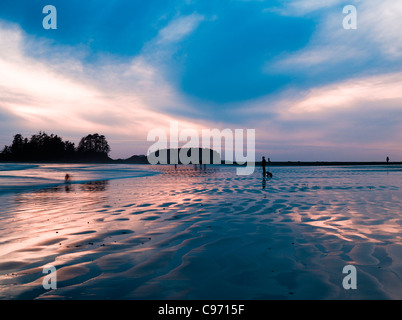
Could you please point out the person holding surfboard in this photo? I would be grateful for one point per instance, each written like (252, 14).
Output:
(265, 173)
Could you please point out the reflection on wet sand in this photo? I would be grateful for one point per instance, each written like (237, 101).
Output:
(188, 170)
(95, 186)
(92, 186)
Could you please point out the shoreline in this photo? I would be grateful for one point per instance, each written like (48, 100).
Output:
(328, 163)
(258, 163)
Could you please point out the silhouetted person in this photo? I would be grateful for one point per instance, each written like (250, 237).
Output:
(67, 178)
(387, 159)
(264, 164)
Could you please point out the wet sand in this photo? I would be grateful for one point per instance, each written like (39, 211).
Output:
(209, 234)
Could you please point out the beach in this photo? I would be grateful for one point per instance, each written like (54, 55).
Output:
(156, 232)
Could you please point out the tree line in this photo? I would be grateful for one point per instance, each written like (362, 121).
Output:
(44, 147)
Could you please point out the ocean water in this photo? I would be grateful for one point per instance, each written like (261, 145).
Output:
(153, 232)
(15, 177)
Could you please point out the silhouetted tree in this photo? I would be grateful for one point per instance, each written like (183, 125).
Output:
(44, 147)
(6, 154)
(94, 146)
(18, 146)
(69, 149)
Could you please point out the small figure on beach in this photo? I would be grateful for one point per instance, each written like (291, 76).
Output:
(67, 178)
(387, 159)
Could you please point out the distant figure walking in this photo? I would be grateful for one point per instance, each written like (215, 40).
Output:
(387, 159)
(67, 178)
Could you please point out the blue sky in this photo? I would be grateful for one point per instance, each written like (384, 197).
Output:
(310, 88)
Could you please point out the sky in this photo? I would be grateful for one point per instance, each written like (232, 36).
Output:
(311, 89)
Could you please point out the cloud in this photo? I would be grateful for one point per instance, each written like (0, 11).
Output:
(179, 28)
(357, 119)
(302, 7)
(377, 36)
(380, 22)
(350, 93)
(121, 99)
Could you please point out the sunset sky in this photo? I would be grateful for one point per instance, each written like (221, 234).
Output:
(310, 88)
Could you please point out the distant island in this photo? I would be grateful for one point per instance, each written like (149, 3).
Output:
(189, 155)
